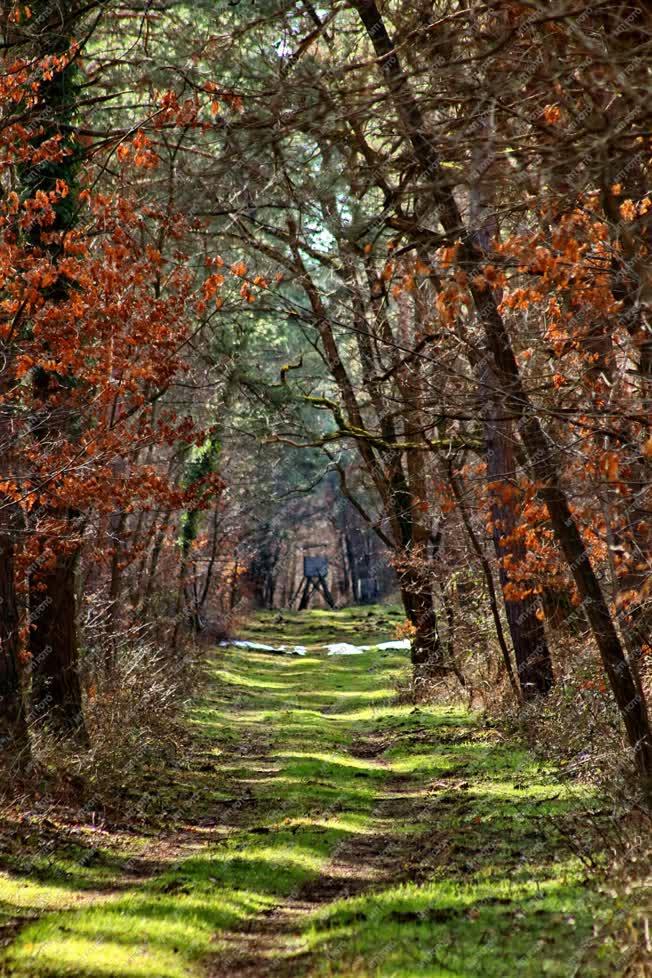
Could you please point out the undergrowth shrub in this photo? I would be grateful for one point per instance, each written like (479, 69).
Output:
(135, 695)
(475, 679)
(134, 721)
(578, 726)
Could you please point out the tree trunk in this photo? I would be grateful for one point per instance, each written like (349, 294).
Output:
(488, 576)
(182, 616)
(56, 688)
(14, 739)
(117, 524)
(524, 616)
(157, 547)
(346, 593)
(53, 642)
(541, 452)
(208, 576)
(419, 607)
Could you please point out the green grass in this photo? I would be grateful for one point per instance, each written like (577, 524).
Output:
(483, 886)
(502, 895)
(359, 626)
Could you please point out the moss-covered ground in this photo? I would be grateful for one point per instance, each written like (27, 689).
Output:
(319, 830)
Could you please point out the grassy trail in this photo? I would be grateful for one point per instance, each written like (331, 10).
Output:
(324, 830)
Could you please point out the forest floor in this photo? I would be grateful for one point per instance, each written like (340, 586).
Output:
(320, 828)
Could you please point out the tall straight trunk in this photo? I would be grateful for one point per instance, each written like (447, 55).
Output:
(117, 525)
(352, 561)
(208, 574)
(416, 594)
(53, 641)
(524, 617)
(198, 466)
(488, 576)
(233, 587)
(345, 587)
(143, 611)
(182, 613)
(415, 577)
(414, 584)
(56, 687)
(541, 452)
(14, 739)
(427, 642)
(385, 468)
(524, 613)
(406, 492)
(630, 283)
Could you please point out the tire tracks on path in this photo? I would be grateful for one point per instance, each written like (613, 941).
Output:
(270, 945)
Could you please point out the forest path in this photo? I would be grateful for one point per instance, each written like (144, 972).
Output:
(337, 833)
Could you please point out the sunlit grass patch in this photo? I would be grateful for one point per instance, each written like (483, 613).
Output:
(497, 928)
(359, 626)
(18, 893)
(313, 796)
(326, 760)
(143, 934)
(487, 891)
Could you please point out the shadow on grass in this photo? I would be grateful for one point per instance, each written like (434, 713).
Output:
(494, 929)
(258, 713)
(480, 888)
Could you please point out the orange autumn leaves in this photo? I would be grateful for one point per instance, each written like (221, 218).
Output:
(555, 290)
(95, 326)
(579, 359)
(106, 341)
(199, 111)
(99, 318)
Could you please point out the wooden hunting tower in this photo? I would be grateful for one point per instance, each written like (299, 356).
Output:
(315, 577)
